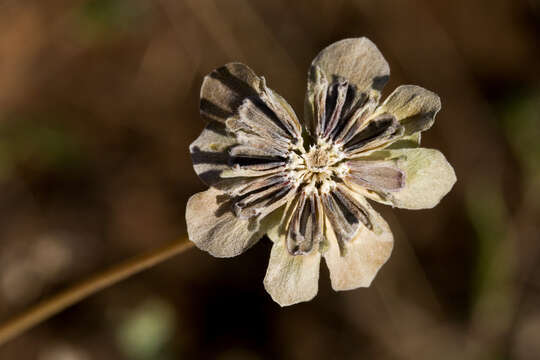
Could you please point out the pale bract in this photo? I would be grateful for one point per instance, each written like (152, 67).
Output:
(305, 183)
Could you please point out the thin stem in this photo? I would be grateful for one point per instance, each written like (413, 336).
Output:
(45, 309)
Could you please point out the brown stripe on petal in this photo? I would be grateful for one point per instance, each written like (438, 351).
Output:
(252, 165)
(376, 175)
(357, 60)
(353, 100)
(224, 89)
(238, 78)
(259, 116)
(258, 122)
(269, 146)
(349, 125)
(305, 227)
(373, 133)
(335, 101)
(211, 111)
(257, 163)
(346, 215)
(413, 106)
(284, 115)
(319, 118)
(263, 201)
(261, 183)
(256, 106)
(357, 209)
(247, 206)
(210, 152)
(237, 126)
(316, 103)
(260, 151)
(258, 170)
(336, 106)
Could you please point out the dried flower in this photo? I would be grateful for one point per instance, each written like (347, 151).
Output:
(305, 186)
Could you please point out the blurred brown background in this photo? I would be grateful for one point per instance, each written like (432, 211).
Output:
(99, 102)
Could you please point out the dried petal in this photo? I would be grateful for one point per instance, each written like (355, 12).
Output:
(253, 156)
(291, 279)
(283, 111)
(256, 119)
(428, 177)
(224, 90)
(256, 152)
(210, 153)
(260, 183)
(358, 61)
(213, 227)
(376, 132)
(379, 176)
(334, 108)
(355, 263)
(353, 122)
(413, 106)
(260, 145)
(264, 200)
(305, 228)
(406, 142)
(345, 213)
(257, 163)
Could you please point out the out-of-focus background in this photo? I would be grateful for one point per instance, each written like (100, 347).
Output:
(99, 102)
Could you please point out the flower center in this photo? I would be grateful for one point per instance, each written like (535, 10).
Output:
(318, 165)
(317, 159)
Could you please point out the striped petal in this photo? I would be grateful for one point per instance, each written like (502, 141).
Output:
(345, 213)
(210, 153)
(344, 76)
(251, 130)
(355, 263)
(291, 279)
(377, 176)
(303, 223)
(234, 89)
(373, 133)
(262, 200)
(413, 106)
(426, 177)
(213, 227)
(224, 90)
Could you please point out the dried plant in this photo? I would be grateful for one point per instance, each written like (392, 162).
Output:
(305, 184)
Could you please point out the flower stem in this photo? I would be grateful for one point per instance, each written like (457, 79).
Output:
(47, 308)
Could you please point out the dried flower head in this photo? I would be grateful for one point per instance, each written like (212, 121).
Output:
(305, 185)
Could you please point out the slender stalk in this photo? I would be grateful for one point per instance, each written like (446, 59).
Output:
(47, 308)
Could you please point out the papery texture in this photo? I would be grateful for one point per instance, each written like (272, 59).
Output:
(305, 184)
(213, 226)
(291, 279)
(355, 263)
